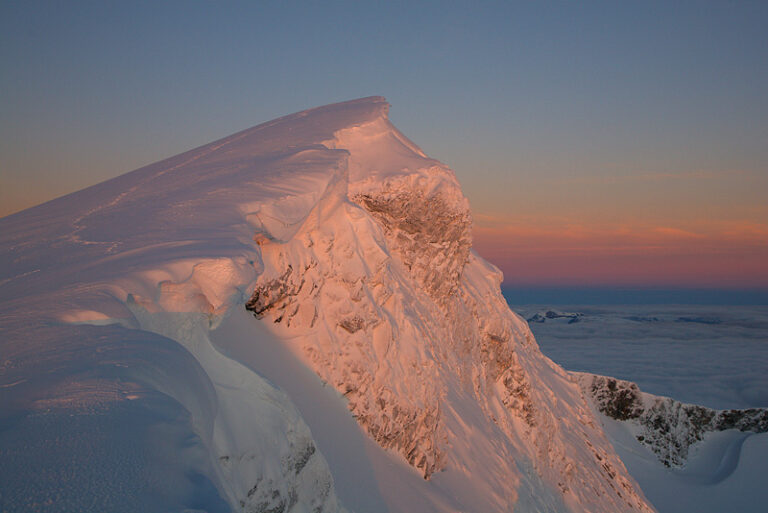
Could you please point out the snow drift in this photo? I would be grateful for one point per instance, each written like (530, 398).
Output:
(354, 250)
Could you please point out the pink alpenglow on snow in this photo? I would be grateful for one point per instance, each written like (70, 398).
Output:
(383, 371)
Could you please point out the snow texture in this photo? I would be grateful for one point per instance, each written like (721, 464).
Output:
(686, 457)
(668, 427)
(354, 250)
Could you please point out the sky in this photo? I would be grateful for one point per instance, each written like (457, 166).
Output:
(599, 143)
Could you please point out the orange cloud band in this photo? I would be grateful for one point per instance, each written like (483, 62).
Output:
(726, 255)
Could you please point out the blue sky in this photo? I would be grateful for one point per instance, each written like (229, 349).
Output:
(598, 118)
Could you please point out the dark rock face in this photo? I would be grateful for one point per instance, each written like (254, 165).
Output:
(669, 427)
(752, 419)
(619, 400)
(270, 295)
(352, 324)
(432, 237)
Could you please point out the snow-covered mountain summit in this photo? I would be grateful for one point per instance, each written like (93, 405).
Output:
(354, 250)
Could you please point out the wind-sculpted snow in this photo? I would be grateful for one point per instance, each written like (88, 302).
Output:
(380, 293)
(334, 280)
(668, 427)
(107, 298)
(354, 247)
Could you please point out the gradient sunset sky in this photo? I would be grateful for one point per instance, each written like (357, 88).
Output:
(599, 144)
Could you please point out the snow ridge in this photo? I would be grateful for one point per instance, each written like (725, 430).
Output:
(356, 247)
(108, 296)
(544, 315)
(380, 293)
(666, 426)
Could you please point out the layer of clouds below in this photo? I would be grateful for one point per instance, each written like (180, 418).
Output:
(715, 356)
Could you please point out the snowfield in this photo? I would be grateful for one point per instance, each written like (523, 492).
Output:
(384, 370)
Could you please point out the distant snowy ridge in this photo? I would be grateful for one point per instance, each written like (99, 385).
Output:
(668, 427)
(354, 248)
(545, 315)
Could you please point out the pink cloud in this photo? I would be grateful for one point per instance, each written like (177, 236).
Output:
(713, 254)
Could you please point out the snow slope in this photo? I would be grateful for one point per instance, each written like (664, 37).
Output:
(668, 427)
(686, 457)
(354, 249)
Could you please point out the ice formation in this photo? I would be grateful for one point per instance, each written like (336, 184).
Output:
(354, 248)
